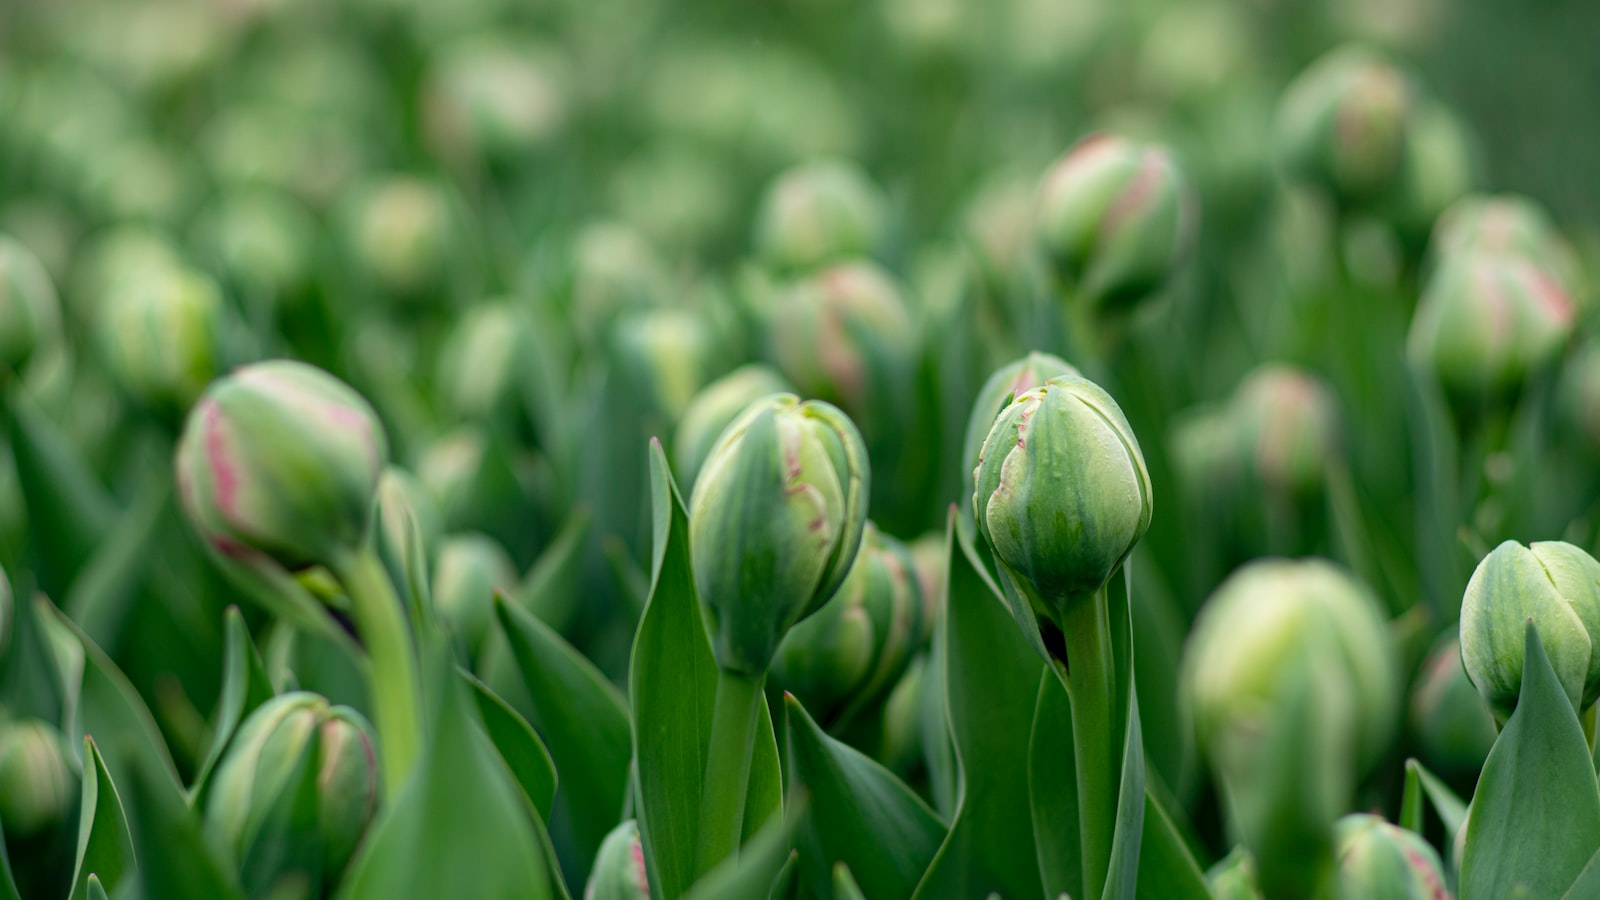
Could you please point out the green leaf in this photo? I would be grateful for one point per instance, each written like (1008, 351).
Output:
(550, 588)
(1053, 787)
(756, 869)
(991, 683)
(1167, 870)
(1451, 809)
(94, 890)
(245, 686)
(69, 511)
(460, 827)
(583, 721)
(34, 682)
(101, 596)
(861, 815)
(519, 746)
(1536, 812)
(1588, 884)
(1411, 800)
(285, 850)
(175, 861)
(105, 847)
(8, 882)
(1122, 878)
(844, 885)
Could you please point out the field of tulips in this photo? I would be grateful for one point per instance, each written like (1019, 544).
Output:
(827, 449)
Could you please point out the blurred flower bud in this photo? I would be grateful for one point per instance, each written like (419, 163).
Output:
(619, 872)
(259, 239)
(1013, 380)
(676, 194)
(1289, 426)
(401, 234)
(819, 212)
(1061, 495)
(38, 788)
(137, 179)
(262, 758)
(775, 522)
(403, 502)
(30, 314)
(1580, 392)
(164, 337)
(1234, 877)
(471, 569)
(1344, 122)
(1116, 218)
(490, 99)
(668, 354)
(1440, 166)
(281, 459)
(931, 561)
(1486, 323)
(1556, 585)
(314, 157)
(614, 269)
(901, 749)
(717, 405)
(998, 225)
(483, 365)
(1378, 861)
(1453, 725)
(1506, 225)
(119, 257)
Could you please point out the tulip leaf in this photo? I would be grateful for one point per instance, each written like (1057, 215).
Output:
(34, 682)
(1122, 877)
(759, 864)
(286, 847)
(1167, 870)
(1536, 812)
(1411, 800)
(69, 510)
(991, 685)
(175, 860)
(584, 722)
(105, 847)
(855, 803)
(245, 686)
(550, 588)
(519, 746)
(460, 826)
(1053, 788)
(101, 596)
(1452, 810)
(8, 881)
(94, 890)
(844, 885)
(1588, 883)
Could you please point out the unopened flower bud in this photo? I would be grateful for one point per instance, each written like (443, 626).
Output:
(38, 789)
(668, 354)
(471, 569)
(819, 212)
(261, 240)
(614, 269)
(1556, 585)
(1116, 218)
(718, 404)
(484, 364)
(30, 314)
(998, 225)
(281, 459)
(164, 337)
(619, 871)
(1010, 381)
(1506, 225)
(1344, 123)
(1379, 861)
(489, 100)
(400, 232)
(1288, 424)
(775, 521)
(1453, 726)
(1234, 877)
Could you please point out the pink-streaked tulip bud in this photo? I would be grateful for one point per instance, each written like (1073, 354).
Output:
(38, 788)
(1116, 218)
(775, 523)
(1378, 861)
(471, 569)
(1485, 324)
(619, 871)
(820, 212)
(1506, 225)
(717, 405)
(1288, 424)
(282, 460)
(489, 100)
(164, 337)
(30, 314)
(400, 233)
(1452, 724)
(1009, 381)
(1344, 123)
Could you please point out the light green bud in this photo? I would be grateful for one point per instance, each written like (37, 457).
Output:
(775, 522)
(281, 459)
(38, 788)
(717, 405)
(1452, 724)
(619, 871)
(489, 100)
(259, 239)
(1288, 424)
(819, 212)
(1009, 381)
(30, 314)
(484, 363)
(1505, 224)
(400, 232)
(1344, 124)
(471, 569)
(669, 353)
(614, 269)
(164, 337)
(1378, 861)
(1234, 877)
(1556, 585)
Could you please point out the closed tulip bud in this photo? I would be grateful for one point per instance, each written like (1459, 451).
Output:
(826, 657)
(1061, 495)
(619, 871)
(281, 460)
(30, 314)
(1289, 426)
(1378, 861)
(1440, 166)
(165, 337)
(819, 212)
(488, 100)
(998, 225)
(471, 569)
(38, 788)
(1506, 225)
(614, 269)
(1556, 585)
(930, 559)
(403, 502)
(262, 758)
(484, 363)
(121, 257)
(668, 353)
(400, 232)
(260, 240)
(1485, 324)
(711, 411)
(1344, 124)
(1234, 877)
(1013, 380)
(1116, 218)
(901, 749)
(1453, 725)
(885, 576)
(775, 522)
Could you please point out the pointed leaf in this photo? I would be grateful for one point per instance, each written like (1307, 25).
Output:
(34, 682)
(1452, 810)
(756, 869)
(175, 861)
(1053, 786)
(105, 847)
(550, 588)
(844, 886)
(519, 746)
(94, 890)
(245, 686)
(1122, 878)
(103, 592)
(69, 510)
(1167, 870)
(1411, 800)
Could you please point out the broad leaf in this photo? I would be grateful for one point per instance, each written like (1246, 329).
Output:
(1167, 870)
(245, 686)
(69, 511)
(756, 870)
(175, 860)
(105, 847)
(1053, 787)
(519, 746)
(103, 592)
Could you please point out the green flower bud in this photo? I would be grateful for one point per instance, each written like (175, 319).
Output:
(121, 257)
(1556, 585)
(313, 157)
(1116, 218)
(1509, 225)
(47, 227)
(1440, 166)
(819, 212)
(484, 364)
(282, 460)
(1486, 323)
(1061, 495)
(1579, 396)
(901, 749)
(775, 521)
(1344, 123)
(1453, 725)
(403, 502)
(677, 195)
(1013, 380)
(711, 411)
(38, 788)
(931, 561)
(471, 569)
(1234, 877)
(619, 871)
(30, 314)
(998, 225)
(491, 100)
(614, 269)
(885, 576)
(1378, 861)
(261, 759)
(400, 232)
(1288, 424)
(164, 337)
(259, 239)
(668, 354)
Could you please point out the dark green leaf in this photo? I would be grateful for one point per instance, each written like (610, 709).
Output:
(1122, 878)
(753, 873)
(34, 683)
(1053, 786)
(1167, 870)
(550, 588)
(286, 848)
(245, 686)
(175, 860)
(1411, 800)
(844, 886)
(1452, 810)
(100, 596)
(1588, 884)
(69, 511)
(519, 746)
(105, 848)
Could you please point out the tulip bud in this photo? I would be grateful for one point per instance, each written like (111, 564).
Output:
(669, 354)
(1378, 861)
(260, 240)
(614, 269)
(30, 314)
(1010, 381)
(775, 521)
(1234, 877)
(1556, 585)
(619, 871)
(164, 337)
(1061, 495)
(1506, 225)
(1486, 323)
(717, 405)
(483, 364)
(998, 225)
(1580, 392)
(471, 569)
(1440, 166)
(901, 749)
(1344, 124)
(262, 758)
(281, 459)
(1453, 725)
(885, 576)
(403, 502)
(38, 789)
(400, 232)
(123, 256)
(819, 212)
(1116, 217)
(489, 100)
(1289, 427)
(930, 559)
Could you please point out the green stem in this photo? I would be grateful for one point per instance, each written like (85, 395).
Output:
(1089, 676)
(392, 674)
(733, 733)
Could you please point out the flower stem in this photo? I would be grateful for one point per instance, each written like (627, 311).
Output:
(733, 732)
(1090, 676)
(392, 673)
